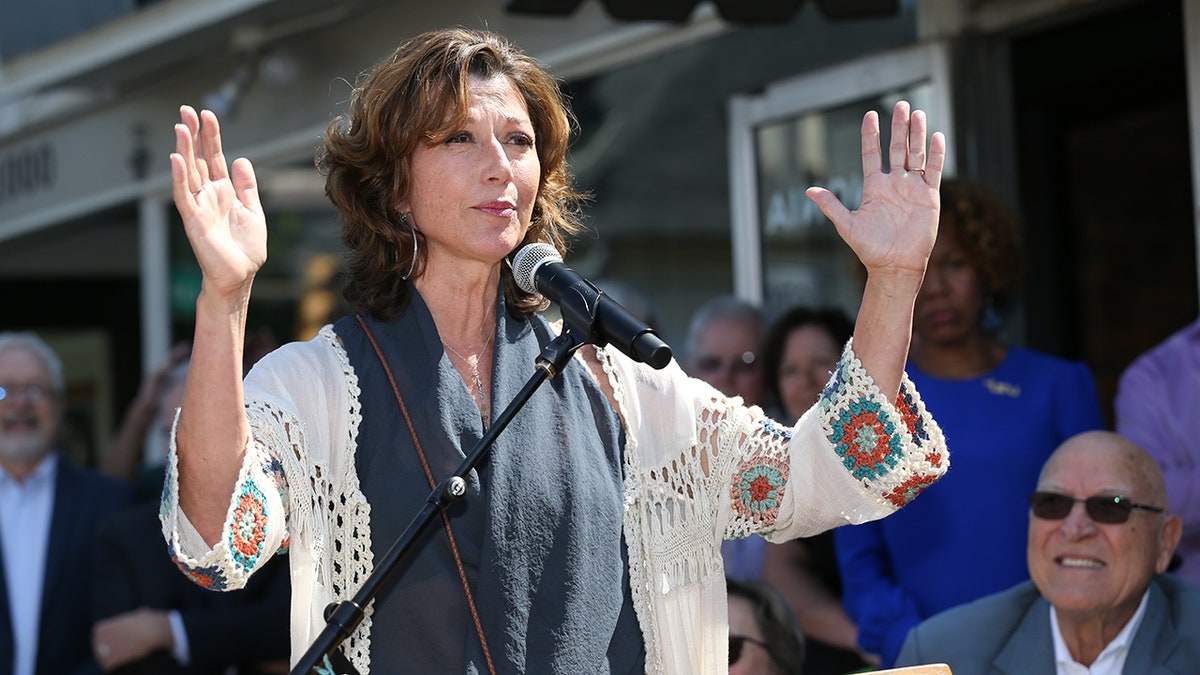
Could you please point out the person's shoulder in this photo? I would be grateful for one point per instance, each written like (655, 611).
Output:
(316, 353)
(980, 616)
(1186, 338)
(1034, 365)
(325, 340)
(1180, 591)
(971, 635)
(1167, 355)
(1182, 607)
(1033, 358)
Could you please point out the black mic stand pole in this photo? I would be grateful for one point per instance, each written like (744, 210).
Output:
(341, 618)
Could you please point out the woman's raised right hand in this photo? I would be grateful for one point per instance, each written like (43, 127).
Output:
(221, 211)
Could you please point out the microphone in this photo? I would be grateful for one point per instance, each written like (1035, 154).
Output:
(538, 268)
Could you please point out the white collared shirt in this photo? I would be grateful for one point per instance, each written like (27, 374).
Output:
(1111, 661)
(26, 508)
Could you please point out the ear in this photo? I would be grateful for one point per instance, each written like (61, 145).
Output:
(1172, 530)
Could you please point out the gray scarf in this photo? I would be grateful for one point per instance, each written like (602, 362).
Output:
(539, 532)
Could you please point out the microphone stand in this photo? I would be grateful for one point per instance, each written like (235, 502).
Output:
(341, 618)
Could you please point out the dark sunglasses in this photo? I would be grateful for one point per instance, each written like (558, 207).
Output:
(1109, 510)
(737, 642)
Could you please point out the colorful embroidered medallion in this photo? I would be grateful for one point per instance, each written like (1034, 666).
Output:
(248, 529)
(211, 578)
(866, 439)
(758, 489)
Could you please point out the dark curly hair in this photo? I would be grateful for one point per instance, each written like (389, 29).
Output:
(419, 95)
(988, 233)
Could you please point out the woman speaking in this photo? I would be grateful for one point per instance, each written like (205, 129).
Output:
(589, 540)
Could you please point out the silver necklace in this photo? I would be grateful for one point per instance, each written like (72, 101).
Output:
(474, 366)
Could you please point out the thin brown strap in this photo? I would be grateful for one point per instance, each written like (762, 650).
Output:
(462, 573)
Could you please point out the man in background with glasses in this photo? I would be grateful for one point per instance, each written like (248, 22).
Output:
(1099, 603)
(49, 510)
(724, 346)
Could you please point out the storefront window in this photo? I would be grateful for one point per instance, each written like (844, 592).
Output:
(804, 259)
(804, 132)
(295, 293)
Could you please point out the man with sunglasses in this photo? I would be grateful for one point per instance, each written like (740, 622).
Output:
(1099, 603)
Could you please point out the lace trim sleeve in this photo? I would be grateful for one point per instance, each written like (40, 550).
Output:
(854, 457)
(256, 521)
(895, 449)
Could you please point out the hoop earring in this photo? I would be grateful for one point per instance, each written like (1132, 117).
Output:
(412, 263)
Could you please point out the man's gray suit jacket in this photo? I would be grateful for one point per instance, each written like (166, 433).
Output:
(1008, 633)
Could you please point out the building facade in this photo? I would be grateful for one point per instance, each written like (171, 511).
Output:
(698, 134)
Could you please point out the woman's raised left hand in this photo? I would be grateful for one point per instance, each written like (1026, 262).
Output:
(893, 230)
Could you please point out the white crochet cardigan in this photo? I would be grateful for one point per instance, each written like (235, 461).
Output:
(699, 468)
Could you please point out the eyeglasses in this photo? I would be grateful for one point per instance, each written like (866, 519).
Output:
(32, 392)
(712, 363)
(737, 642)
(1110, 510)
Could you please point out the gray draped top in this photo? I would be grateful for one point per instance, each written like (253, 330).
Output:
(540, 531)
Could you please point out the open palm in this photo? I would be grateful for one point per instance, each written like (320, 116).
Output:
(221, 211)
(894, 228)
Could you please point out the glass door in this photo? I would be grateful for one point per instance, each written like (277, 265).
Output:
(806, 131)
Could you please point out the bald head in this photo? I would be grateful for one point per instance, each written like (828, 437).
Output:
(1095, 569)
(1135, 465)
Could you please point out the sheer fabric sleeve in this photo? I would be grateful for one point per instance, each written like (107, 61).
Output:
(295, 400)
(700, 467)
(853, 457)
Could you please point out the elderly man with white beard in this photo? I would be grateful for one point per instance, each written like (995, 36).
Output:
(49, 511)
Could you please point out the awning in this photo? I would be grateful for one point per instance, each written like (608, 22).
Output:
(735, 11)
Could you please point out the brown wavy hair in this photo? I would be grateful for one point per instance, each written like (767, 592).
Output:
(418, 95)
(989, 234)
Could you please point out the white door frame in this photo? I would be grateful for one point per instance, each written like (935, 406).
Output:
(837, 85)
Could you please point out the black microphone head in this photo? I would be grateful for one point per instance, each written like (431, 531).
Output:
(526, 262)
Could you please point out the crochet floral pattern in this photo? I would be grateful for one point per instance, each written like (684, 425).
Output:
(248, 528)
(888, 447)
(865, 438)
(758, 489)
(210, 576)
